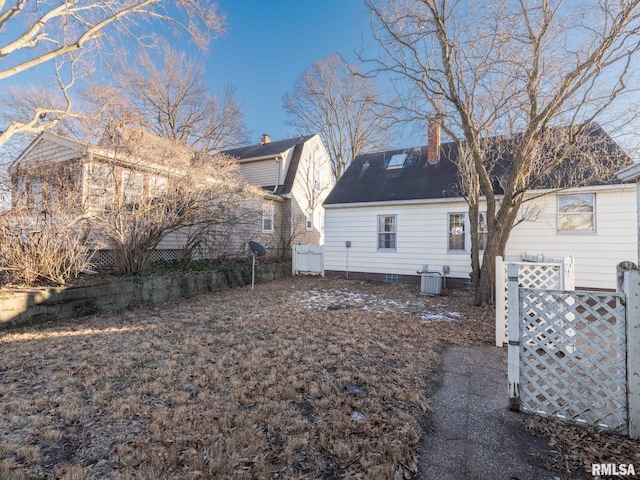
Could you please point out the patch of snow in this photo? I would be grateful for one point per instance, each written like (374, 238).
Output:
(343, 299)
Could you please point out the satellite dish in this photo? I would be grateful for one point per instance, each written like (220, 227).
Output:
(257, 249)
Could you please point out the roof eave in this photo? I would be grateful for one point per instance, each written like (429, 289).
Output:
(630, 173)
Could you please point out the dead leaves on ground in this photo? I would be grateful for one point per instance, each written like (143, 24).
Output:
(238, 384)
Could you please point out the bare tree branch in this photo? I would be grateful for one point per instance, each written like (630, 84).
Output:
(512, 71)
(343, 107)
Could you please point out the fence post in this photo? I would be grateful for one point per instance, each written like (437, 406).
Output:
(568, 274)
(500, 306)
(513, 353)
(632, 293)
(294, 260)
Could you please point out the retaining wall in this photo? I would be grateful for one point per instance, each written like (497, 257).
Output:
(20, 307)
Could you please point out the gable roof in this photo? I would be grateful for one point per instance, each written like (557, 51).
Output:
(271, 149)
(122, 143)
(369, 180)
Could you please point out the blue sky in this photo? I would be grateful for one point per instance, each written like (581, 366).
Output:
(270, 43)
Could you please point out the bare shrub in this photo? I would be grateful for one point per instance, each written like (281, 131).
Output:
(43, 237)
(153, 191)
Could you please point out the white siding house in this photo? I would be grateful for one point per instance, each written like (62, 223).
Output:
(393, 212)
(422, 237)
(296, 172)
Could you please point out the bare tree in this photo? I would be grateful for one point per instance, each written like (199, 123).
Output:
(332, 99)
(171, 102)
(43, 236)
(57, 31)
(515, 69)
(193, 197)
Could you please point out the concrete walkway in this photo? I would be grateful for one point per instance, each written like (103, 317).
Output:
(473, 433)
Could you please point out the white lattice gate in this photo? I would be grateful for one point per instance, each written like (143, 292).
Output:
(575, 355)
(546, 274)
(308, 259)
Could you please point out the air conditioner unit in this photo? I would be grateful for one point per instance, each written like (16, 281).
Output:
(430, 282)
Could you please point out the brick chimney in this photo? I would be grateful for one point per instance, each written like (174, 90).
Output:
(265, 139)
(433, 139)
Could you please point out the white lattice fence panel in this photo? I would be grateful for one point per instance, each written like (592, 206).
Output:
(530, 275)
(572, 357)
(106, 259)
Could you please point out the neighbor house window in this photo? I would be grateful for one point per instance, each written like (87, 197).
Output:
(22, 191)
(157, 186)
(309, 223)
(132, 186)
(457, 232)
(101, 186)
(316, 180)
(483, 234)
(36, 193)
(576, 213)
(267, 218)
(387, 225)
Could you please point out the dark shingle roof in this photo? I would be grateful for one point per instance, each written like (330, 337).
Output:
(267, 149)
(368, 180)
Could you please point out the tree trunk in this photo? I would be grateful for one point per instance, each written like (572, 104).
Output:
(496, 243)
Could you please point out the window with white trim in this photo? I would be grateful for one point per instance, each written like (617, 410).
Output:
(101, 186)
(309, 222)
(36, 193)
(316, 180)
(157, 186)
(387, 229)
(457, 232)
(268, 212)
(577, 213)
(483, 234)
(132, 186)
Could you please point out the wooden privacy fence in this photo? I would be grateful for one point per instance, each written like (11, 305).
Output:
(546, 274)
(576, 355)
(307, 259)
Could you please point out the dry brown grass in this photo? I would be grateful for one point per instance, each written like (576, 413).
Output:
(240, 384)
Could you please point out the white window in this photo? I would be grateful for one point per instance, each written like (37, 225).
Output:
(309, 222)
(483, 234)
(157, 186)
(101, 186)
(457, 232)
(36, 193)
(397, 161)
(316, 180)
(267, 218)
(21, 191)
(132, 186)
(577, 213)
(387, 225)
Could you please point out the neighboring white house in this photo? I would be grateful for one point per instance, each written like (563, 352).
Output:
(296, 173)
(394, 211)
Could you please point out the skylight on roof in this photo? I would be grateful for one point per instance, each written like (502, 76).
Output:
(397, 161)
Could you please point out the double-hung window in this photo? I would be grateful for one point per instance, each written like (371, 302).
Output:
(387, 229)
(132, 187)
(457, 232)
(483, 233)
(577, 213)
(267, 218)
